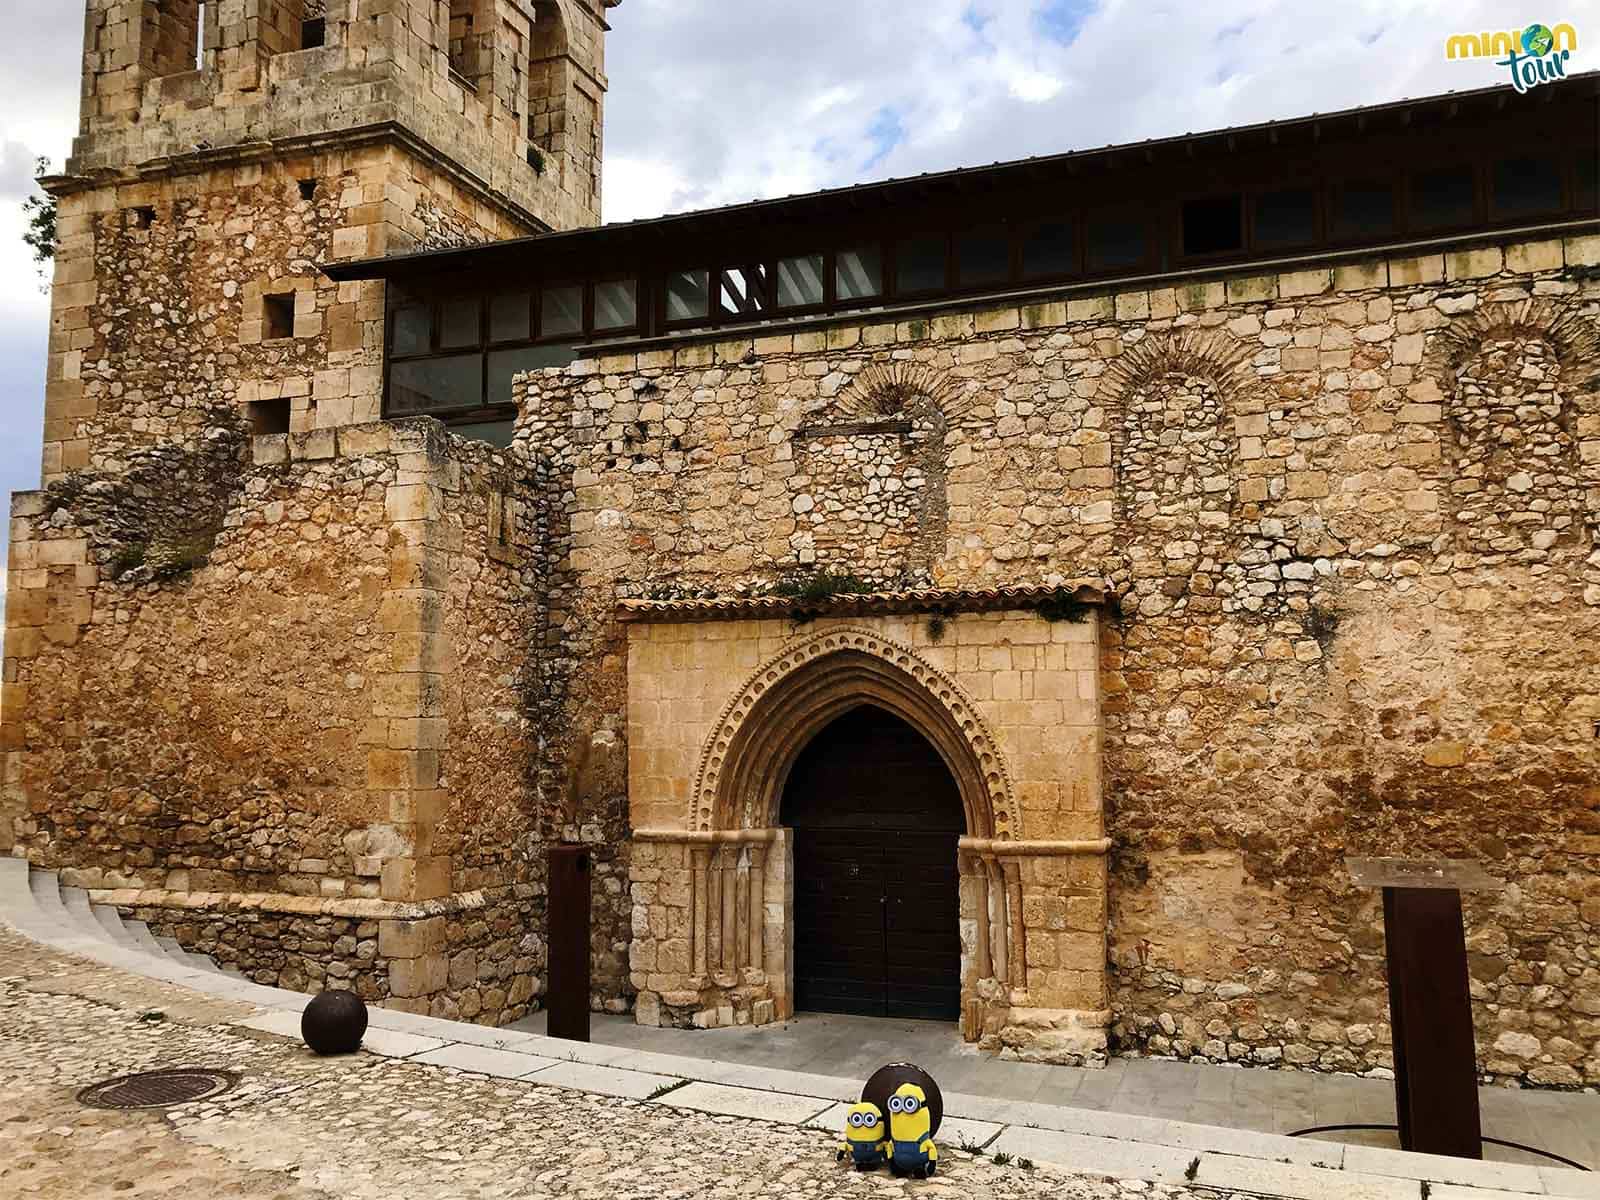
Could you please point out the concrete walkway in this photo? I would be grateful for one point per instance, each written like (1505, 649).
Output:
(1261, 1100)
(1091, 1141)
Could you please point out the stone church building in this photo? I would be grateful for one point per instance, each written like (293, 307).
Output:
(1003, 597)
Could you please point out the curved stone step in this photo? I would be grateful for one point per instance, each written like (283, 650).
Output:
(140, 932)
(188, 958)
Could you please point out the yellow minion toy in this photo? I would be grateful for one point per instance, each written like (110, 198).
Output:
(864, 1141)
(911, 1148)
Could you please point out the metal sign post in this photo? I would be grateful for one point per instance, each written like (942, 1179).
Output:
(1430, 1006)
(567, 997)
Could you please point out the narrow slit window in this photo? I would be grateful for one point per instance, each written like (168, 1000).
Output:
(1213, 225)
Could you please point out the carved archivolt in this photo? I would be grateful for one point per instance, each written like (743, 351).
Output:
(793, 696)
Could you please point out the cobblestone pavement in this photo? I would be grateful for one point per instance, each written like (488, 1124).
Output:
(299, 1128)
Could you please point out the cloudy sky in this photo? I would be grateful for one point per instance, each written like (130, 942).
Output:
(717, 101)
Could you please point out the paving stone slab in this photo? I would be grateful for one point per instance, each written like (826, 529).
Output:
(605, 1081)
(485, 1060)
(392, 1044)
(1235, 1174)
(1379, 1160)
(1455, 1191)
(284, 1024)
(960, 1132)
(777, 1107)
(1094, 1155)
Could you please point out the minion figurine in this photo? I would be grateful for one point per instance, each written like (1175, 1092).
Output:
(912, 1151)
(864, 1139)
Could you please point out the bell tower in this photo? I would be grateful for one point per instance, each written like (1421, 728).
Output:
(227, 148)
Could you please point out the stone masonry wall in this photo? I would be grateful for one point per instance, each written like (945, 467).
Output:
(316, 718)
(1351, 513)
(161, 304)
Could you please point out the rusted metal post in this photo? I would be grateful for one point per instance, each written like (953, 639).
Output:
(1430, 1001)
(567, 998)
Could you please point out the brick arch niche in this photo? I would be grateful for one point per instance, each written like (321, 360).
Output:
(720, 709)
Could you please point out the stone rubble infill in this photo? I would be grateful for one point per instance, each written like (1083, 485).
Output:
(514, 1113)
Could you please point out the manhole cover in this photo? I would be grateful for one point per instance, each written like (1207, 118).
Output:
(157, 1089)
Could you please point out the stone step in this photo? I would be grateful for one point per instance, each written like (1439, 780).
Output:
(188, 958)
(111, 921)
(140, 932)
(76, 902)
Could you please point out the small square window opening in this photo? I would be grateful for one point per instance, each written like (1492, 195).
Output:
(277, 316)
(269, 417)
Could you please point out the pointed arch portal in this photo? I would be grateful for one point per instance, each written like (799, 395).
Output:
(827, 816)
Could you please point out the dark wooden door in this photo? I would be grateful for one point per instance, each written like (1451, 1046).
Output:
(876, 817)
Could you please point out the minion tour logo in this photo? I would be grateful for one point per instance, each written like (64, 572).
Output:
(1535, 55)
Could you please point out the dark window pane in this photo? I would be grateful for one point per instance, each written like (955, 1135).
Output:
(413, 330)
(800, 281)
(744, 290)
(1287, 218)
(858, 274)
(616, 304)
(688, 295)
(496, 433)
(1364, 210)
(1213, 225)
(919, 264)
(1050, 250)
(459, 323)
(1442, 199)
(984, 256)
(561, 311)
(1585, 200)
(1523, 186)
(504, 365)
(1114, 240)
(511, 318)
(432, 384)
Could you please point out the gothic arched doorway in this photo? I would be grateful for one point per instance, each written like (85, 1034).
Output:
(876, 815)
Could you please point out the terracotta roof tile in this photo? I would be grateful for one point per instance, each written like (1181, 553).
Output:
(913, 600)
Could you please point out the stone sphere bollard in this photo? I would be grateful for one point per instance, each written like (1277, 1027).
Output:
(885, 1080)
(334, 1023)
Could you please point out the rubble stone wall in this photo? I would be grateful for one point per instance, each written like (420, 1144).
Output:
(1351, 513)
(318, 715)
(162, 295)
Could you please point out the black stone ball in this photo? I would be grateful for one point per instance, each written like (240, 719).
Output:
(334, 1023)
(886, 1081)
